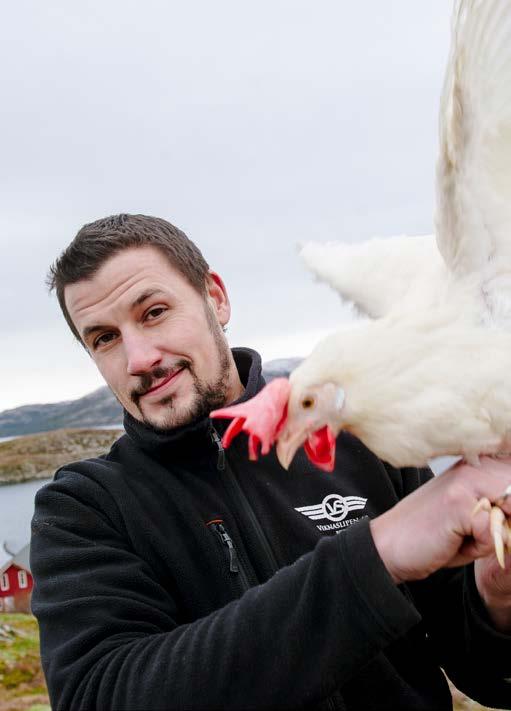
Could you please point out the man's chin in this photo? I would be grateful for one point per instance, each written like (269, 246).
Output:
(182, 407)
(166, 419)
(169, 415)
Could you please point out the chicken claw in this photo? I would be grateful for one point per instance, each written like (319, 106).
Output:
(500, 530)
(504, 496)
(482, 505)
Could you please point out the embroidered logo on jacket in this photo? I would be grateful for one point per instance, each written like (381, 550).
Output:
(335, 508)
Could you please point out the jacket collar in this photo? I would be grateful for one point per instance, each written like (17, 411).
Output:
(248, 363)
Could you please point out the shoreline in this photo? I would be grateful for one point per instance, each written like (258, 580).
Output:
(38, 456)
(20, 479)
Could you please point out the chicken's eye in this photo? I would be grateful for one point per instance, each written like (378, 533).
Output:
(308, 402)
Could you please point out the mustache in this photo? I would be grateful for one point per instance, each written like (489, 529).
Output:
(148, 379)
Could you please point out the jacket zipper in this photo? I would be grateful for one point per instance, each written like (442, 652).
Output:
(220, 460)
(241, 499)
(234, 562)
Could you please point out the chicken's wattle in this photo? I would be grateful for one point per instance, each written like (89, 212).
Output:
(263, 417)
(320, 448)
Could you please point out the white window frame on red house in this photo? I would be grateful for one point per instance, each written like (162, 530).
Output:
(4, 582)
(22, 579)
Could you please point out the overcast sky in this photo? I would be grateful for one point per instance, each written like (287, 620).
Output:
(252, 126)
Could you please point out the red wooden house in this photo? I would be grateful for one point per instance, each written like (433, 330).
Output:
(16, 582)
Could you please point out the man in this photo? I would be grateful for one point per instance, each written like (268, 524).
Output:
(173, 574)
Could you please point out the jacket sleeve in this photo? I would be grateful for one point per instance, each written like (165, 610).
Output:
(111, 636)
(475, 656)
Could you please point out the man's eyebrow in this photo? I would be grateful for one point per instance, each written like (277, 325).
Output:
(89, 330)
(144, 296)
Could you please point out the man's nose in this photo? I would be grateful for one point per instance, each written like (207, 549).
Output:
(141, 354)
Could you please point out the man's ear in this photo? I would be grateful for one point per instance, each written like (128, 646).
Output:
(218, 297)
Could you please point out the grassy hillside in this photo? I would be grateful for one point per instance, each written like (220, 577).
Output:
(22, 686)
(38, 456)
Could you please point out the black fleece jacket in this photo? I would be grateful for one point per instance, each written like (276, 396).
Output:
(170, 574)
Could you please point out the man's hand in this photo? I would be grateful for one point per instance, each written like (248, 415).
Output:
(435, 527)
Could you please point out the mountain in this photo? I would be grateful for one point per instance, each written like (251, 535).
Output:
(279, 368)
(93, 410)
(97, 409)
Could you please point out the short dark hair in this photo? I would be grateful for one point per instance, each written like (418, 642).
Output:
(96, 242)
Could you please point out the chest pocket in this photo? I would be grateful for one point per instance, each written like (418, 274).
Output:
(333, 703)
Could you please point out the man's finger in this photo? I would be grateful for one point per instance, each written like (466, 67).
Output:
(481, 531)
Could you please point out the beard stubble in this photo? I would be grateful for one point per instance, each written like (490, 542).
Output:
(208, 396)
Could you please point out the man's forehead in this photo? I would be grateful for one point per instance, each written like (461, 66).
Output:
(123, 279)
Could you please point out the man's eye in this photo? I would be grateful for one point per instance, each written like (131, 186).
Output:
(103, 339)
(154, 313)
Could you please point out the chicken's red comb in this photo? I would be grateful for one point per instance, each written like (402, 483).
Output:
(262, 417)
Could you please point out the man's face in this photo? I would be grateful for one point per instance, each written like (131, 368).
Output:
(157, 342)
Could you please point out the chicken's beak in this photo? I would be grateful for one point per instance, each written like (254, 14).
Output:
(289, 441)
(301, 425)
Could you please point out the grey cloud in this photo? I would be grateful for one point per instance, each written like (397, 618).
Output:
(250, 125)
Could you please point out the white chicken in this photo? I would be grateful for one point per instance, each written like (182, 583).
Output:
(429, 373)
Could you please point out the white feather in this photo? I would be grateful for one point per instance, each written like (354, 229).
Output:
(378, 274)
(430, 376)
(473, 216)
(474, 166)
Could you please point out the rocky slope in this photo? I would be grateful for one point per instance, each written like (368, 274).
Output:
(38, 456)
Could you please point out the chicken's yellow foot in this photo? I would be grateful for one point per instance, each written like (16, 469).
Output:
(504, 496)
(499, 526)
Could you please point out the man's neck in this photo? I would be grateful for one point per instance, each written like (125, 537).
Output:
(236, 388)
